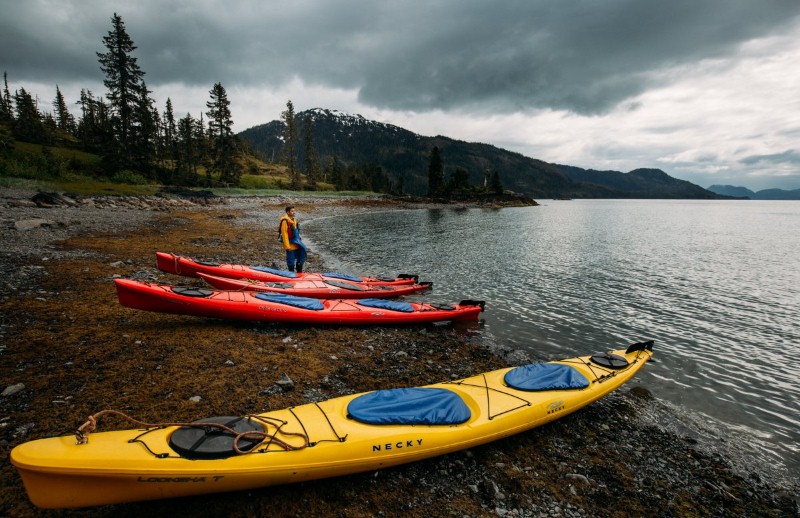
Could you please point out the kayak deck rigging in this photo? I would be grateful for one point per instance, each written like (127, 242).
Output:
(269, 440)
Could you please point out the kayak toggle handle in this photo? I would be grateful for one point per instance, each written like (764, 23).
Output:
(470, 302)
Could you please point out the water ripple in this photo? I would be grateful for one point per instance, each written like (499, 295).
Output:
(714, 283)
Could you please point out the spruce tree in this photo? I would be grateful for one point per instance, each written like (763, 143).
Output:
(459, 181)
(28, 125)
(144, 130)
(94, 127)
(170, 133)
(288, 152)
(333, 172)
(312, 160)
(123, 80)
(495, 184)
(64, 119)
(6, 107)
(435, 173)
(223, 142)
(186, 159)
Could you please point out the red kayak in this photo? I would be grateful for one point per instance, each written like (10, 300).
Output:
(279, 307)
(188, 267)
(318, 289)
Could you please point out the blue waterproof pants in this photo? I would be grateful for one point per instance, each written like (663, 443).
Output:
(296, 257)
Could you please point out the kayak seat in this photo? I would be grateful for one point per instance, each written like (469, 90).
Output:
(391, 305)
(545, 376)
(292, 300)
(420, 405)
(188, 291)
(275, 271)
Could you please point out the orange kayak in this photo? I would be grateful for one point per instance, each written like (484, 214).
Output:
(318, 288)
(188, 267)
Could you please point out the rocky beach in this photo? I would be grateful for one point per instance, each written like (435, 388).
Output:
(69, 350)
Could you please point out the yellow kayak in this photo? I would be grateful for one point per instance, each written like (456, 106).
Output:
(349, 434)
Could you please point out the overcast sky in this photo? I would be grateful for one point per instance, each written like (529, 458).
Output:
(707, 90)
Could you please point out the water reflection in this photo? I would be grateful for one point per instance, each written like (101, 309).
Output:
(714, 283)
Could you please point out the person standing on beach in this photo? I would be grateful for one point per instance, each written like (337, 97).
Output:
(289, 230)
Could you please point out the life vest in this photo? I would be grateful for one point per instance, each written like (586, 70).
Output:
(292, 230)
(289, 228)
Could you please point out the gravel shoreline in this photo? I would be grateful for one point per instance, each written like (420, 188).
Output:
(610, 459)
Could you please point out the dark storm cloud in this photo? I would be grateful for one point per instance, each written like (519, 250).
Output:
(788, 157)
(583, 56)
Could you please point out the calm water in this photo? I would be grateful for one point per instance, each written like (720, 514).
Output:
(715, 284)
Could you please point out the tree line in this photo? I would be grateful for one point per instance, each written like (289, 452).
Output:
(133, 138)
(126, 129)
(458, 182)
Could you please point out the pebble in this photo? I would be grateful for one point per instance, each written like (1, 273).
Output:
(31, 224)
(13, 389)
(285, 383)
(577, 476)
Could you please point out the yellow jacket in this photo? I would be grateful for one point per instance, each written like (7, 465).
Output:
(290, 232)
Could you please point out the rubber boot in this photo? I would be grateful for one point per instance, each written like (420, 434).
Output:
(299, 267)
(291, 268)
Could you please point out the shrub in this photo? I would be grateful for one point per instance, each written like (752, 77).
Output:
(129, 177)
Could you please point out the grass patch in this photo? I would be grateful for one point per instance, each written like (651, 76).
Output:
(82, 158)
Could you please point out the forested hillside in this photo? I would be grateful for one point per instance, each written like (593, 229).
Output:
(351, 141)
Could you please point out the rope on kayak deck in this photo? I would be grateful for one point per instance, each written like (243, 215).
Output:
(605, 373)
(176, 259)
(489, 390)
(339, 438)
(83, 431)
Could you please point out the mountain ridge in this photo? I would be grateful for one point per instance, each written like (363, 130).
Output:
(764, 194)
(404, 155)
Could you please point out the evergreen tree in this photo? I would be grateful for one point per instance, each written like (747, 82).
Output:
(50, 123)
(435, 173)
(187, 156)
(203, 148)
(333, 172)
(123, 80)
(64, 119)
(94, 127)
(28, 125)
(459, 181)
(288, 152)
(379, 180)
(223, 142)
(144, 130)
(495, 184)
(170, 133)
(312, 160)
(6, 106)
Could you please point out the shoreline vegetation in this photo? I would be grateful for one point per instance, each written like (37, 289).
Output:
(69, 350)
